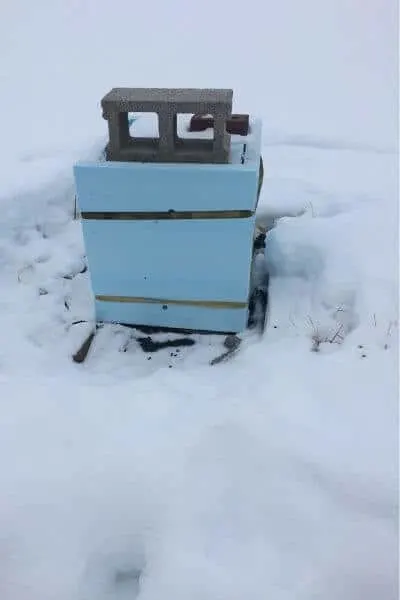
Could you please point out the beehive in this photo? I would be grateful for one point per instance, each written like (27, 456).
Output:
(168, 223)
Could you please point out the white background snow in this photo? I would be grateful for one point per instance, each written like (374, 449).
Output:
(274, 476)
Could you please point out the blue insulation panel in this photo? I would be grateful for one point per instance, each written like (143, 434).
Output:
(188, 272)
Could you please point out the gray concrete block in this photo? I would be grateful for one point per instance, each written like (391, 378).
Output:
(167, 103)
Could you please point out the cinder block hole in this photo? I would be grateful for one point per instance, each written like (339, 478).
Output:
(144, 125)
(199, 129)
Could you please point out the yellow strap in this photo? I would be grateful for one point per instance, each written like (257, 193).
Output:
(167, 215)
(167, 301)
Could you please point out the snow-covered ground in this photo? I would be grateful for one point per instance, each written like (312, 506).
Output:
(274, 476)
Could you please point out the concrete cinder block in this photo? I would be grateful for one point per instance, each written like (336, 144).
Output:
(167, 103)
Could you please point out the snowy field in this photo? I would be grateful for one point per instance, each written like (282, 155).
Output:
(275, 475)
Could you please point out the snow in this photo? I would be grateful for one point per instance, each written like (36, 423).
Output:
(271, 476)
